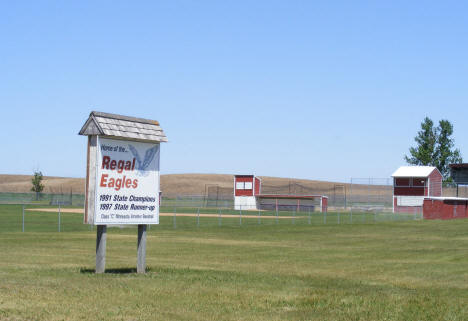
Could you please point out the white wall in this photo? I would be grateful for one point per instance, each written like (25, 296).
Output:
(245, 203)
(410, 200)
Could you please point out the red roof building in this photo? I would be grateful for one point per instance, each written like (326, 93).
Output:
(411, 184)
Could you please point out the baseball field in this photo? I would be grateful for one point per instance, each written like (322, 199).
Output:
(393, 270)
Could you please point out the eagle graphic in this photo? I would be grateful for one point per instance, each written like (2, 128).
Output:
(143, 165)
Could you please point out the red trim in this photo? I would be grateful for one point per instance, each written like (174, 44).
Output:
(257, 186)
(243, 176)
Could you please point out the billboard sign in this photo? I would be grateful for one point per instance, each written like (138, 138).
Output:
(127, 182)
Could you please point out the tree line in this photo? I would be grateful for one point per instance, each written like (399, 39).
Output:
(435, 146)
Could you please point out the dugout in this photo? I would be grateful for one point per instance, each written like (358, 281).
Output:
(445, 208)
(248, 196)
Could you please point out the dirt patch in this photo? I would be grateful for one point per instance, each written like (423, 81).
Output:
(55, 210)
(81, 211)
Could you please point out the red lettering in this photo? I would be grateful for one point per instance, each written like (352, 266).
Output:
(128, 183)
(135, 183)
(105, 162)
(120, 166)
(103, 180)
(128, 165)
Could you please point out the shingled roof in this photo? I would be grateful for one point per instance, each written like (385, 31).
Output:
(113, 125)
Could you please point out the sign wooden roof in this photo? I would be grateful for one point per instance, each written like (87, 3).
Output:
(113, 125)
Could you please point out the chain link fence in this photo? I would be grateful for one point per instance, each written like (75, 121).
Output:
(41, 218)
(44, 216)
(362, 200)
(451, 189)
(69, 199)
(371, 193)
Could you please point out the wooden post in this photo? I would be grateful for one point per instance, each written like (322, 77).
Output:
(141, 259)
(23, 219)
(101, 248)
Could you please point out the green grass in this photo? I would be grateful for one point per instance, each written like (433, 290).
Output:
(402, 270)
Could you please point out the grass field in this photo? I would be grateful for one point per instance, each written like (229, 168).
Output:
(405, 270)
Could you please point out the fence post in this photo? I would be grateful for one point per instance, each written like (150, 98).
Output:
(198, 217)
(23, 219)
(59, 218)
(276, 215)
(368, 193)
(174, 218)
(294, 217)
(309, 215)
(240, 215)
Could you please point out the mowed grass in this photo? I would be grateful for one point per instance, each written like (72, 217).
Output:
(407, 270)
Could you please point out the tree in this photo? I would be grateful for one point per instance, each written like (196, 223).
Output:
(445, 153)
(435, 147)
(36, 181)
(426, 139)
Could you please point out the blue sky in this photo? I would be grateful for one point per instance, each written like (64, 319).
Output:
(308, 89)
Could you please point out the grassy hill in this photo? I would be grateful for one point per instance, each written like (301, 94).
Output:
(198, 184)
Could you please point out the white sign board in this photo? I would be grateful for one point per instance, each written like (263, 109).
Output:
(127, 182)
(410, 200)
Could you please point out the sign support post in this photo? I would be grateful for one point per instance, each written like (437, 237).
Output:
(101, 238)
(141, 259)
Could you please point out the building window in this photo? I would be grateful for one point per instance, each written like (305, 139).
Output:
(419, 182)
(410, 182)
(248, 185)
(402, 182)
(240, 185)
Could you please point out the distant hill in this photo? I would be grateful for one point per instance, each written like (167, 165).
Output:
(22, 184)
(199, 184)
